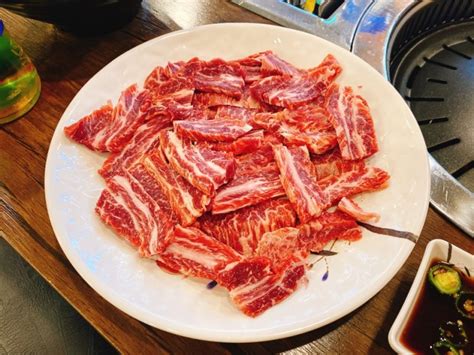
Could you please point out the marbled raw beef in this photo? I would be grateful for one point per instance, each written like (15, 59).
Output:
(243, 228)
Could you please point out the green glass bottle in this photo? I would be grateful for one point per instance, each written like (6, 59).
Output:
(19, 82)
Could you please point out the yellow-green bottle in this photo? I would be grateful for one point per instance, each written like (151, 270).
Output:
(19, 82)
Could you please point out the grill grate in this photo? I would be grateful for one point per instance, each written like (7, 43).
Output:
(435, 74)
(433, 15)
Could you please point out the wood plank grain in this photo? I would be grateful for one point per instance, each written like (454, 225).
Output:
(65, 63)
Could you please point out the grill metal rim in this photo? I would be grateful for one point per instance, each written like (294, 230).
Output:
(447, 194)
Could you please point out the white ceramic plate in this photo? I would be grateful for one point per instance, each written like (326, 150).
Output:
(185, 306)
(438, 249)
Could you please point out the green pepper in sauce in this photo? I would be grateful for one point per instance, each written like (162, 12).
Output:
(465, 304)
(445, 279)
(454, 333)
(444, 347)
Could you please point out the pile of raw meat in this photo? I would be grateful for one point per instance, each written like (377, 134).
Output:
(226, 170)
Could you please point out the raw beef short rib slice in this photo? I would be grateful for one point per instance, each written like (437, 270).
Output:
(243, 145)
(326, 72)
(144, 211)
(191, 252)
(206, 99)
(299, 182)
(351, 118)
(161, 217)
(113, 211)
(360, 179)
(109, 131)
(317, 142)
(212, 100)
(286, 91)
(307, 125)
(252, 73)
(235, 113)
(265, 63)
(274, 65)
(171, 110)
(248, 189)
(223, 130)
(173, 68)
(350, 207)
(283, 244)
(254, 286)
(253, 60)
(266, 120)
(220, 77)
(125, 120)
(201, 166)
(185, 70)
(187, 202)
(243, 228)
(89, 127)
(151, 187)
(144, 139)
(255, 160)
(155, 78)
(307, 118)
(175, 89)
(328, 227)
(332, 164)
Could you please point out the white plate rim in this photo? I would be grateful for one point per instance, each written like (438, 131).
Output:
(135, 312)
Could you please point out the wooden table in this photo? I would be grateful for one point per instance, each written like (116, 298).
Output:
(65, 63)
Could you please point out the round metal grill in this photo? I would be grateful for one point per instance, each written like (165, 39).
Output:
(435, 74)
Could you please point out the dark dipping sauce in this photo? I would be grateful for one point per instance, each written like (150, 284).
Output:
(431, 310)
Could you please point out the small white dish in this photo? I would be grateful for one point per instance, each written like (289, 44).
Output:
(439, 249)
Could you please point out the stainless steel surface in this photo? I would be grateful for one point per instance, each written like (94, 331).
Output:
(340, 28)
(375, 31)
(369, 32)
(448, 195)
(451, 198)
